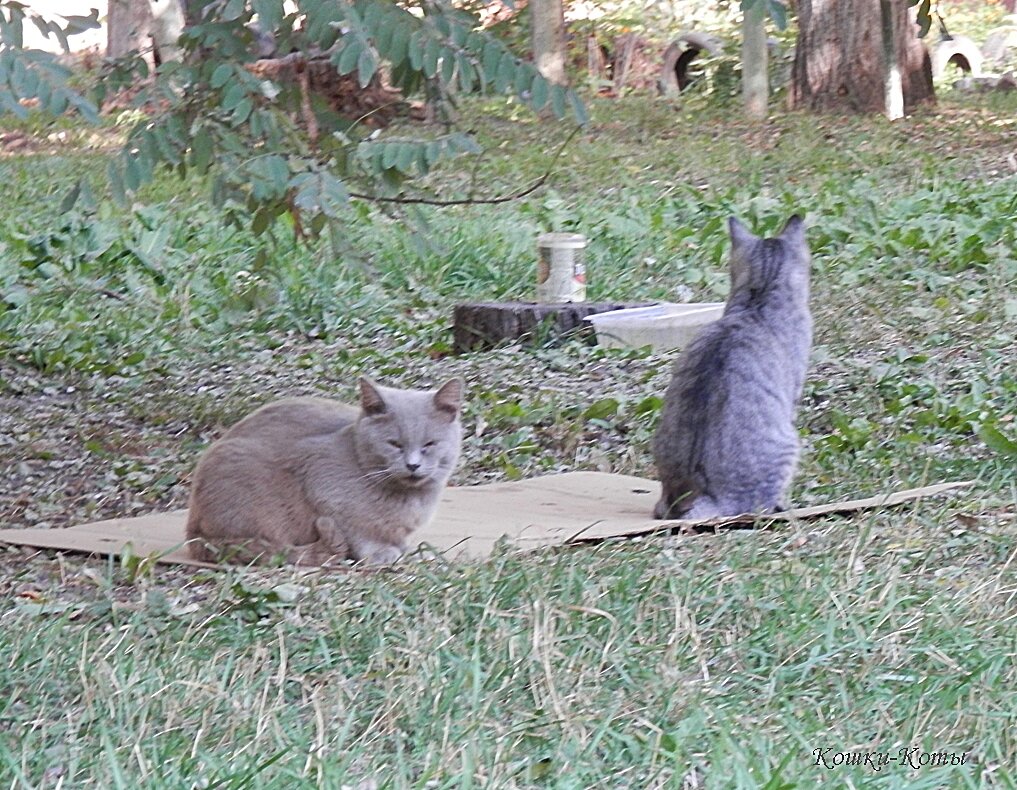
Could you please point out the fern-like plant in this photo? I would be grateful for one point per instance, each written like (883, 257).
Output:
(268, 145)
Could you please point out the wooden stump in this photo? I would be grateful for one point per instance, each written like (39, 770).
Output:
(481, 325)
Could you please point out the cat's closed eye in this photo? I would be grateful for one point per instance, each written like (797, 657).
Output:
(395, 444)
(429, 445)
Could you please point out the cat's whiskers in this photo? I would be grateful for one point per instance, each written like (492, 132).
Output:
(378, 476)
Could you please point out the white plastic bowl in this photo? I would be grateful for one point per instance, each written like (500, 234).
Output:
(663, 326)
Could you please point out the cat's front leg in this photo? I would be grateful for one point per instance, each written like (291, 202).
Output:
(357, 547)
(332, 536)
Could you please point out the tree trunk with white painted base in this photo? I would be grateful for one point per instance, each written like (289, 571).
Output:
(840, 62)
(547, 18)
(892, 89)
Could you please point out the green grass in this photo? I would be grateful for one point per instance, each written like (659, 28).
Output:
(628, 665)
(720, 661)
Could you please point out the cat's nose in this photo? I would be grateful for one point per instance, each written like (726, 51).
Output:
(412, 467)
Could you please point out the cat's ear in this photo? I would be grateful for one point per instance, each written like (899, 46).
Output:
(740, 235)
(370, 399)
(449, 397)
(794, 230)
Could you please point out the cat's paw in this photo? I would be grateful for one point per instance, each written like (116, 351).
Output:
(662, 509)
(383, 555)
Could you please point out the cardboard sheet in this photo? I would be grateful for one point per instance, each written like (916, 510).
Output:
(542, 511)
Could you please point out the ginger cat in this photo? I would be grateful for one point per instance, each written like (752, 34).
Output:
(318, 482)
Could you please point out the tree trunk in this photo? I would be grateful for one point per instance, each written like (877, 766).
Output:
(840, 62)
(129, 27)
(755, 79)
(167, 25)
(893, 91)
(547, 18)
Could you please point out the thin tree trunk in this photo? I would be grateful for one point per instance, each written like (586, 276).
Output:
(755, 79)
(893, 92)
(839, 59)
(167, 25)
(548, 23)
(129, 27)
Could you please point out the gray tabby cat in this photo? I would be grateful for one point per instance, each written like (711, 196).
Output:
(726, 443)
(316, 481)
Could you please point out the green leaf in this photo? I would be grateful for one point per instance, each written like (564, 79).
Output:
(262, 219)
(423, 166)
(448, 65)
(243, 110)
(57, 103)
(505, 74)
(349, 56)
(578, 108)
(366, 66)
(270, 13)
(61, 36)
(467, 73)
(924, 16)
(390, 155)
(434, 151)
(538, 92)
(601, 410)
(371, 16)
(398, 48)
(475, 43)
(12, 105)
(79, 24)
(432, 51)
(539, 770)
(278, 170)
(440, 21)
(132, 173)
(407, 156)
(231, 10)
(524, 79)
(558, 99)
(116, 183)
(233, 95)
(70, 198)
(163, 146)
(651, 404)
(463, 143)
(201, 149)
(383, 39)
(221, 75)
(87, 110)
(13, 31)
(996, 441)
(458, 33)
(492, 57)
(415, 49)
(778, 13)
(334, 193)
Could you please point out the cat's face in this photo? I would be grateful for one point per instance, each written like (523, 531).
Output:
(409, 437)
